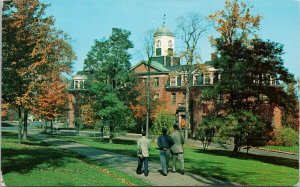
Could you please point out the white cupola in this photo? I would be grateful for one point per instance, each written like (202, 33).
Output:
(164, 42)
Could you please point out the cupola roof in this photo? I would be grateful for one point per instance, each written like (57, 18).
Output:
(163, 31)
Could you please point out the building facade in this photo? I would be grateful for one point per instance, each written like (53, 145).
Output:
(167, 80)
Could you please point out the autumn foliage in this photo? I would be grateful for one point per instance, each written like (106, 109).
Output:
(139, 108)
(52, 102)
(33, 52)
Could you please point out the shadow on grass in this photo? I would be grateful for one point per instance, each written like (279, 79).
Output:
(126, 142)
(25, 157)
(5, 124)
(244, 156)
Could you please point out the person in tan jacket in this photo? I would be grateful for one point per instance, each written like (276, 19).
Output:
(143, 146)
(177, 149)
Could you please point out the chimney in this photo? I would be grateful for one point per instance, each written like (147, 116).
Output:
(213, 56)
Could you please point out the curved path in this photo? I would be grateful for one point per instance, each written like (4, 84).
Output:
(128, 165)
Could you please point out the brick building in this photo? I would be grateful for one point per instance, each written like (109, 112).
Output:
(167, 78)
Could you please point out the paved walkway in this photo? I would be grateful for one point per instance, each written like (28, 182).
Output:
(196, 143)
(128, 165)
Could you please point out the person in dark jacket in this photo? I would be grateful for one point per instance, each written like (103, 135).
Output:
(164, 143)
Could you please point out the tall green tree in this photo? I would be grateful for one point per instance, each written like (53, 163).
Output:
(32, 48)
(251, 67)
(111, 80)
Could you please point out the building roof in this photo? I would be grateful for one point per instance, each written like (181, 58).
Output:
(154, 64)
(210, 63)
(163, 31)
(159, 66)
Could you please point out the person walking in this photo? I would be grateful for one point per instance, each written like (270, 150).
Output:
(143, 145)
(164, 143)
(177, 149)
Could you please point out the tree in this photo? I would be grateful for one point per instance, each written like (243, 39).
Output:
(52, 101)
(246, 128)
(207, 130)
(110, 79)
(31, 47)
(87, 114)
(251, 68)
(190, 29)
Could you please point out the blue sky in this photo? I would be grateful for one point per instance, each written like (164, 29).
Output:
(87, 20)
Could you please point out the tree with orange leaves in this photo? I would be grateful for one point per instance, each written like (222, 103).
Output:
(51, 102)
(32, 50)
(139, 107)
(235, 22)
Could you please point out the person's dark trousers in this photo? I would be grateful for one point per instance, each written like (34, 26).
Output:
(142, 161)
(164, 160)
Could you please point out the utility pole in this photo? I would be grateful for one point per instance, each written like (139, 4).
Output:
(149, 51)
(148, 98)
(187, 101)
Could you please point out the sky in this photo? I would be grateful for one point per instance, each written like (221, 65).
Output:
(88, 20)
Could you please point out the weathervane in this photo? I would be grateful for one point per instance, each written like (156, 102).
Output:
(164, 20)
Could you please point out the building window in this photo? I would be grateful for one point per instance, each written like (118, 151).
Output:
(170, 51)
(173, 97)
(76, 84)
(200, 79)
(184, 79)
(272, 82)
(158, 51)
(207, 79)
(173, 81)
(81, 85)
(156, 81)
(216, 77)
(179, 80)
(195, 80)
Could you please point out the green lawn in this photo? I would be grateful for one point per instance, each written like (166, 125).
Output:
(36, 164)
(293, 149)
(245, 169)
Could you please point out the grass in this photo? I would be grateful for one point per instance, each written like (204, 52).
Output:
(293, 149)
(244, 169)
(34, 163)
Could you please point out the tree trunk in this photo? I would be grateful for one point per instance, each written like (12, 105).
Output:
(45, 126)
(25, 125)
(20, 125)
(187, 116)
(51, 127)
(102, 132)
(110, 134)
(148, 99)
(236, 147)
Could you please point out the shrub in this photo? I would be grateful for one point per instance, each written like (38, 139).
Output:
(163, 119)
(287, 136)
